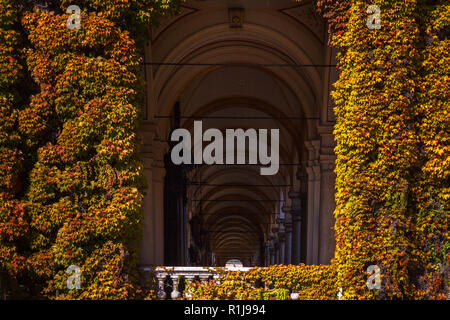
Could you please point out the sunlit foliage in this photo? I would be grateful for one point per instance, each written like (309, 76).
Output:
(80, 201)
(392, 137)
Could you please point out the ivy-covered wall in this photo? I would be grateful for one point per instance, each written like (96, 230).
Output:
(14, 224)
(392, 137)
(431, 190)
(80, 201)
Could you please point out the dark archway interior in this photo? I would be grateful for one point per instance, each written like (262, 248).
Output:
(229, 76)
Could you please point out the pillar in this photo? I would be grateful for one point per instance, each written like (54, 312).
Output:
(288, 235)
(158, 211)
(276, 252)
(275, 243)
(296, 225)
(282, 247)
(152, 243)
(147, 245)
(271, 253)
(327, 161)
(313, 202)
(267, 253)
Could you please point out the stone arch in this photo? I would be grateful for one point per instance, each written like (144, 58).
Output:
(246, 72)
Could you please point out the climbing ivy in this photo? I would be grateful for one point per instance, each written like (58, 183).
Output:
(82, 204)
(277, 281)
(432, 188)
(392, 148)
(13, 219)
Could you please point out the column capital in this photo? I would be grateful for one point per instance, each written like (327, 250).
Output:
(159, 149)
(153, 150)
(327, 142)
(313, 147)
(327, 162)
(313, 164)
(275, 244)
(296, 202)
(147, 158)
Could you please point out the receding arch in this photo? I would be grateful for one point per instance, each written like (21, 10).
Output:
(235, 211)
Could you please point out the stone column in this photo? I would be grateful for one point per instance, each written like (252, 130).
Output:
(158, 207)
(276, 246)
(147, 251)
(313, 172)
(276, 252)
(282, 239)
(288, 235)
(152, 244)
(271, 253)
(267, 253)
(327, 161)
(296, 233)
(321, 189)
(296, 225)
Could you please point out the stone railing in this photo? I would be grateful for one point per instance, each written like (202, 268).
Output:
(167, 278)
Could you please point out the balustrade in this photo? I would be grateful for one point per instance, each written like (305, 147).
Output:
(168, 278)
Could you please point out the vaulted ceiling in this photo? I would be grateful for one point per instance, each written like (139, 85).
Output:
(232, 82)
